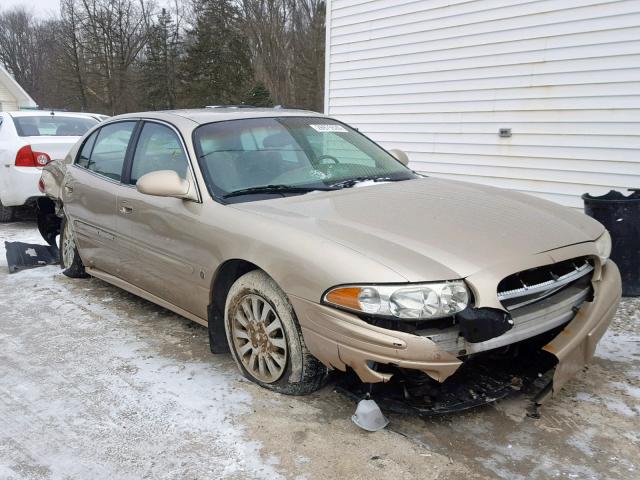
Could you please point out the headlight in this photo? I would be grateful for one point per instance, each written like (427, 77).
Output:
(419, 301)
(603, 246)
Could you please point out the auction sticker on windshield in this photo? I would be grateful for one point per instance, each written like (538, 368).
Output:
(329, 128)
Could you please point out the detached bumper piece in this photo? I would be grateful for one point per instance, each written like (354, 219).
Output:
(21, 256)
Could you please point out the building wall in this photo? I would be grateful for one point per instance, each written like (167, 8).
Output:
(7, 100)
(439, 78)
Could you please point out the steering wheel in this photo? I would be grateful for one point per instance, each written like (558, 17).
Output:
(330, 157)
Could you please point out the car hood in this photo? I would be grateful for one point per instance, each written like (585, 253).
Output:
(429, 229)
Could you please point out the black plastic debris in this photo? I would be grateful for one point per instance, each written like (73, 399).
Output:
(21, 256)
(481, 324)
(521, 369)
(620, 215)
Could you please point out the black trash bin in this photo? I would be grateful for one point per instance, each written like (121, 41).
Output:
(620, 215)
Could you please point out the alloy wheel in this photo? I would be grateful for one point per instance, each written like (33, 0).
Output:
(68, 245)
(259, 338)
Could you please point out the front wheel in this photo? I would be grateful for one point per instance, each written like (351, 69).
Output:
(265, 338)
(69, 259)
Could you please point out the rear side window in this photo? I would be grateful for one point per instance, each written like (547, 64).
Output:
(109, 150)
(159, 148)
(53, 126)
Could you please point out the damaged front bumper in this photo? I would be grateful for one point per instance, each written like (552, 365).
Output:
(340, 339)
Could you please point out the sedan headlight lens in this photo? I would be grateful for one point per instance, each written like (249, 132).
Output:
(409, 302)
(603, 246)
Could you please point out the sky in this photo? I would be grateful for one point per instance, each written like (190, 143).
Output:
(43, 8)
(40, 8)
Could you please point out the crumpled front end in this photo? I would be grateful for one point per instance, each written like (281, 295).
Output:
(49, 207)
(566, 297)
(576, 344)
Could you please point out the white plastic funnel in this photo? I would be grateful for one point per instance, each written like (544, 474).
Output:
(369, 417)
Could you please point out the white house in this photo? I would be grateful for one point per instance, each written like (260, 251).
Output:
(12, 95)
(538, 96)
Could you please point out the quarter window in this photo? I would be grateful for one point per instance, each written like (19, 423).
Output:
(109, 150)
(85, 152)
(159, 148)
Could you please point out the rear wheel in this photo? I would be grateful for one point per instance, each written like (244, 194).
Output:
(7, 214)
(69, 259)
(265, 338)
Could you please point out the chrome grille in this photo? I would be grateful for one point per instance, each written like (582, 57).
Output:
(530, 286)
(529, 321)
(539, 300)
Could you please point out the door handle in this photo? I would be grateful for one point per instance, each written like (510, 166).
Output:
(125, 210)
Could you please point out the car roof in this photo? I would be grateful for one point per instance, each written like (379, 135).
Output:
(217, 114)
(55, 113)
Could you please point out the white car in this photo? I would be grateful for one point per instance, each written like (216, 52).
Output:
(28, 141)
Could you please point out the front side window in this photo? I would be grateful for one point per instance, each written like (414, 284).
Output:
(296, 152)
(159, 148)
(53, 126)
(109, 150)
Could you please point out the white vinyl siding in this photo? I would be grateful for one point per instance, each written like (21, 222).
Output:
(438, 79)
(7, 100)
(12, 95)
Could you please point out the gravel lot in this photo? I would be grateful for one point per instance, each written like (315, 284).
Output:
(97, 383)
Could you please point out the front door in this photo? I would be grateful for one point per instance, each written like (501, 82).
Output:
(90, 194)
(158, 234)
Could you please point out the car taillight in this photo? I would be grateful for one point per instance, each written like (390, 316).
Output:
(26, 157)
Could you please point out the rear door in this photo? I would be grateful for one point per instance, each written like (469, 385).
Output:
(158, 234)
(90, 194)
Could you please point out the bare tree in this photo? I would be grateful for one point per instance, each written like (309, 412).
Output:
(266, 23)
(71, 71)
(25, 48)
(308, 49)
(114, 56)
(115, 32)
(287, 45)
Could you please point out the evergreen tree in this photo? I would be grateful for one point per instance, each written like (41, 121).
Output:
(217, 66)
(259, 96)
(158, 67)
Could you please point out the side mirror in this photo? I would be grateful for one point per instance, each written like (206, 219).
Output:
(165, 183)
(400, 156)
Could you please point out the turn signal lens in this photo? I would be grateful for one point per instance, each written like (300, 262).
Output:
(346, 297)
(410, 302)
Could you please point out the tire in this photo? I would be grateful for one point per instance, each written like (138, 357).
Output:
(7, 214)
(69, 258)
(265, 338)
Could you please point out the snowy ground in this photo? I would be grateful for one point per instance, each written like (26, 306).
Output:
(96, 383)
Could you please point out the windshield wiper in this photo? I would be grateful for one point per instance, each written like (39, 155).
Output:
(350, 182)
(276, 189)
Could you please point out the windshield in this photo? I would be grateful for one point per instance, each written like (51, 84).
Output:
(53, 126)
(311, 152)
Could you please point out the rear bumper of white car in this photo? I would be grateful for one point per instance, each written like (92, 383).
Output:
(19, 185)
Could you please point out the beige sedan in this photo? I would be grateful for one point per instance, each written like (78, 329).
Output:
(306, 247)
